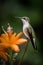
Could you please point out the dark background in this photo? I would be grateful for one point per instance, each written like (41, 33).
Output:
(9, 9)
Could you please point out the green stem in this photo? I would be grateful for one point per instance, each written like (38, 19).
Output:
(23, 54)
(11, 57)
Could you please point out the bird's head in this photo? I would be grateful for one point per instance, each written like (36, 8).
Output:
(24, 19)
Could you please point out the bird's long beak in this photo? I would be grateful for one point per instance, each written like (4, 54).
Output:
(18, 17)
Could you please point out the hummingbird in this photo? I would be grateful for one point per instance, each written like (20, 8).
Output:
(28, 31)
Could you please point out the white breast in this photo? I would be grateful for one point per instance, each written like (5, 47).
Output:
(24, 28)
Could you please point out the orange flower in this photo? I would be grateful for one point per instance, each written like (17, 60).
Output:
(3, 54)
(9, 40)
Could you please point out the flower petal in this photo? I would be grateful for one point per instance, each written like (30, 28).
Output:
(15, 48)
(13, 37)
(20, 41)
(5, 36)
(3, 56)
(4, 45)
(19, 35)
(4, 40)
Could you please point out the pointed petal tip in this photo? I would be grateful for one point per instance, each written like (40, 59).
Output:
(21, 41)
(15, 48)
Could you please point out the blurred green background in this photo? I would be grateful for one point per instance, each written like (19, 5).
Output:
(9, 9)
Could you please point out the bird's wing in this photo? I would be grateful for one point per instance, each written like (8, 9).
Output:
(32, 31)
(31, 35)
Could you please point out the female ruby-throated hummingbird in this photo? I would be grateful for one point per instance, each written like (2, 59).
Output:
(28, 31)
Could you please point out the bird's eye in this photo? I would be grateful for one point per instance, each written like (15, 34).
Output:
(24, 18)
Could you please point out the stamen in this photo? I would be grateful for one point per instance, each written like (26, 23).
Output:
(4, 30)
(9, 30)
(8, 24)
